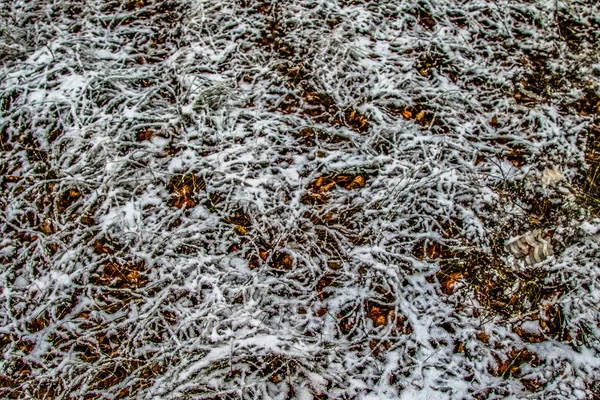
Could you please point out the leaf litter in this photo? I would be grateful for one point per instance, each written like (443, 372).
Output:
(331, 199)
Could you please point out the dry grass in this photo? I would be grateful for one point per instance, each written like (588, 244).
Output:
(278, 229)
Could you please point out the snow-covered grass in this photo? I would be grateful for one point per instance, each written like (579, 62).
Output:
(298, 199)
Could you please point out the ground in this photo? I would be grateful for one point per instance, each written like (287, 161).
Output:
(303, 199)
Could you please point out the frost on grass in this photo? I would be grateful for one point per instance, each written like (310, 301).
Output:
(254, 199)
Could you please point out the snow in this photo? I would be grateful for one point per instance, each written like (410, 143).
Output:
(421, 394)
(249, 290)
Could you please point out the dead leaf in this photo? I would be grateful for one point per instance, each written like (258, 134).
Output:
(47, 227)
(240, 230)
(448, 282)
(357, 183)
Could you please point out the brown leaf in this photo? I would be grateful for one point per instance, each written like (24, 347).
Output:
(146, 134)
(448, 282)
(357, 183)
(532, 385)
(282, 261)
(184, 190)
(459, 347)
(483, 337)
(240, 230)
(47, 227)
(378, 314)
(321, 311)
